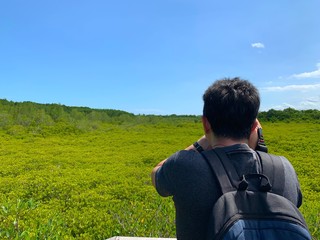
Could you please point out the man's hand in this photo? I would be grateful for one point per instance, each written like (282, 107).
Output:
(253, 139)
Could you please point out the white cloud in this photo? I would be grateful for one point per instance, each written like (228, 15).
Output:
(284, 106)
(313, 99)
(312, 74)
(257, 45)
(310, 103)
(292, 88)
(300, 105)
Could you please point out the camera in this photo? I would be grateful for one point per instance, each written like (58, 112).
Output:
(261, 146)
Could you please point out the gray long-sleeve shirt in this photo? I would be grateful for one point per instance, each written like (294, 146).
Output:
(188, 178)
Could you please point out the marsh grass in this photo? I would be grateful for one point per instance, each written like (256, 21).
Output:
(72, 184)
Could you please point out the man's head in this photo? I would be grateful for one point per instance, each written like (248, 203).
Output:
(231, 107)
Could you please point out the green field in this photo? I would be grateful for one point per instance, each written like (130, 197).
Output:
(61, 182)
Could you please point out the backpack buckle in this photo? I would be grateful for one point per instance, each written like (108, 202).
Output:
(243, 185)
(261, 182)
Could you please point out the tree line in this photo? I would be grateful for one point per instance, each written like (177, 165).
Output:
(54, 117)
(290, 115)
(30, 114)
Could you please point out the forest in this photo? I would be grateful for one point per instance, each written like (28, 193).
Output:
(30, 114)
(81, 173)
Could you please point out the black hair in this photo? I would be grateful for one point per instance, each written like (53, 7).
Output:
(231, 107)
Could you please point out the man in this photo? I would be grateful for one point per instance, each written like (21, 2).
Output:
(230, 122)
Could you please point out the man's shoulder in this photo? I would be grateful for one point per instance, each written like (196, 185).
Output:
(184, 157)
(281, 158)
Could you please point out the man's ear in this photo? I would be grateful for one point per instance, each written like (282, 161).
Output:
(255, 125)
(206, 125)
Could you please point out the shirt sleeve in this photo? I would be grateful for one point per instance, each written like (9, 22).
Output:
(292, 186)
(165, 184)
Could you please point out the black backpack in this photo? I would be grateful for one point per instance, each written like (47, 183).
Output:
(253, 207)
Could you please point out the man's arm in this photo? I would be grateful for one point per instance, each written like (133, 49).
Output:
(155, 169)
(203, 142)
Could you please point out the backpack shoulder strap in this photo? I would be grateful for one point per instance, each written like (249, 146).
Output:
(228, 177)
(273, 168)
(222, 168)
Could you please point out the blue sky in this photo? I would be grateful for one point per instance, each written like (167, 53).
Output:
(158, 56)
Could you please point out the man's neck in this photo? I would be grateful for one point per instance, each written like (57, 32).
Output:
(224, 142)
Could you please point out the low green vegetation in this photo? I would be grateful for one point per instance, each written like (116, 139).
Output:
(299, 142)
(85, 174)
